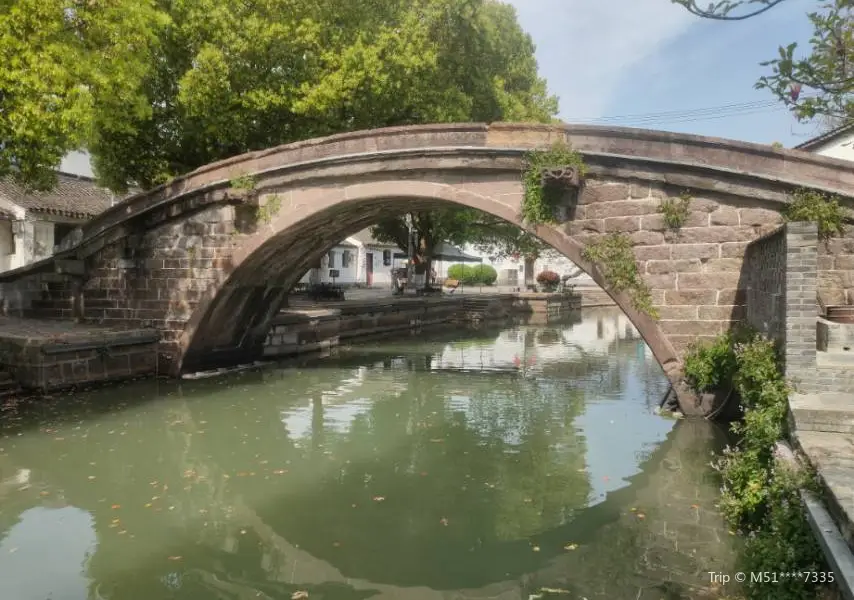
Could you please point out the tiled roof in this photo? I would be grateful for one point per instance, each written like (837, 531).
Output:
(73, 196)
(828, 136)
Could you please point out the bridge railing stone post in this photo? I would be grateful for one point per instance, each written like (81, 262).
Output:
(801, 305)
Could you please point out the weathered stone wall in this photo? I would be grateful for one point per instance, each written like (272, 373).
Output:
(781, 275)
(694, 272)
(836, 270)
(36, 365)
(765, 277)
(160, 281)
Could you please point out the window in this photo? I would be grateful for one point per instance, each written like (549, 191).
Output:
(386, 258)
(331, 256)
(346, 259)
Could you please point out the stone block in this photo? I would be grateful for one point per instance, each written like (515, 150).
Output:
(619, 208)
(690, 297)
(660, 267)
(721, 313)
(714, 281)
(643, 253)
(693, 327)
(754, 217)
(733, 249)
(608, 192)
(679, 251)
(622, 224)
(647, 238)
(724, 215)
(714, 265)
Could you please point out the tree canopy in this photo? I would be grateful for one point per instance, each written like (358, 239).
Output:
(155, 88)
(817, 84)
(63, 62)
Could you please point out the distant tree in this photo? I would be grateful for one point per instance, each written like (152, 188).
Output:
(819, 84)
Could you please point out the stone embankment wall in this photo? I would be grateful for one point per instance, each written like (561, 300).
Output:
(300, 331)
(40, 364)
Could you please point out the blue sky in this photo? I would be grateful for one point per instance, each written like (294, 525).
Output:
(613, 58)
(608, 58)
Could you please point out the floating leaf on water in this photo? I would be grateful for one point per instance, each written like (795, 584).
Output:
(116, 506)
(641, 516)
(695, 506)
(443, 521)
(535, 548)
(175, 558)
(378, 498)
(147, 505)
(570, 547)
(546, 590)
(91, 477)
(336, 544)
(299, 595)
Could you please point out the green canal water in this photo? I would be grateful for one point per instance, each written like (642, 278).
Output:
(511, 462)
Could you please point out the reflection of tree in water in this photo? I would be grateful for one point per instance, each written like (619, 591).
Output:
(494, 456)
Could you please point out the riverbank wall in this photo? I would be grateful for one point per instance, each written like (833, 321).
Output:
(48, 356)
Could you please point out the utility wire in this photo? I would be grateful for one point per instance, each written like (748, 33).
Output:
(689, 115)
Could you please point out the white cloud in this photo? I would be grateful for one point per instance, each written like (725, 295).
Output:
(584, 47)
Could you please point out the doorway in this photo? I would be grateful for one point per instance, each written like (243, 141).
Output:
(369, 268)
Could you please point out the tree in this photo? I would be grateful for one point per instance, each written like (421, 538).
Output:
(240, 76)
(728, 10)
(491, 235)
(62, 62)
(819, 85)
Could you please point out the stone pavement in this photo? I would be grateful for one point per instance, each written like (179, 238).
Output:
(823, 429)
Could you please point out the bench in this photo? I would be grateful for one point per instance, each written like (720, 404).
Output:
(453, 284)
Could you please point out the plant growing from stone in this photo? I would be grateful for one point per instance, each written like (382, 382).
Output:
(244, 182)
(271, 207)
(614, 255)
(675, 210)
(539, 202)
(816, 207)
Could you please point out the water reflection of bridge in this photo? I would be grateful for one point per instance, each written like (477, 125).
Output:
(260, 508)
(688, 534)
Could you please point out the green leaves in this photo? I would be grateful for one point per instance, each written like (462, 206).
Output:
(815, 207)
(61, 65)
(821, 82)
(235, 77)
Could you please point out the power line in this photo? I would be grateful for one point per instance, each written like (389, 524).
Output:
(691, 111)
(689, 115)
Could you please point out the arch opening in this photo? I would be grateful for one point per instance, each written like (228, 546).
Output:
(233, 321)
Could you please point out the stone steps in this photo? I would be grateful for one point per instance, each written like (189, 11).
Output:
(834, 358)
(8, 385)
(826, 412)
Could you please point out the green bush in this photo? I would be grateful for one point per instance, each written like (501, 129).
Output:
(760, 494)
(710, 366)
(473, 275)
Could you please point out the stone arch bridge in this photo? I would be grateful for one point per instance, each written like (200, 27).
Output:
(209, 258)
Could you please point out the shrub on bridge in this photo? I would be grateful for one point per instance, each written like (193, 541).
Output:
(473, 274)
(760, 493)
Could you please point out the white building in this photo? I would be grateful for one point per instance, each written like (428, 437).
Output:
(837, 143)
(32, 223)
(358, 260)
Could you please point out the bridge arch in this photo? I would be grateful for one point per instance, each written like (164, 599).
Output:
(193, 258)
(234, 319)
